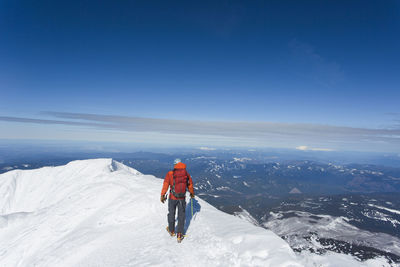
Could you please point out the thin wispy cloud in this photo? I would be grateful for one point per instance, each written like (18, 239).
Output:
(312, 66)
(207, 148)
(301, 135)
(395, 117)
(307, 148)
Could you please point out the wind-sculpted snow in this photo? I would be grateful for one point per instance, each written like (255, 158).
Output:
(103, 213)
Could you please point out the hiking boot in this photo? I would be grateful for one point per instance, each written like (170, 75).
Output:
(170, 233)
(179, 237)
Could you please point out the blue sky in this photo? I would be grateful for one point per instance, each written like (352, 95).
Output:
(282, 66)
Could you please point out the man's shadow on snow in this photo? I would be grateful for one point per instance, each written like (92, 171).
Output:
(188, 211)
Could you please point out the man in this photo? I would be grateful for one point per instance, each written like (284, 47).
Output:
(178, 180)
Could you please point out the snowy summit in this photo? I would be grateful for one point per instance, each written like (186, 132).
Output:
(103, 213)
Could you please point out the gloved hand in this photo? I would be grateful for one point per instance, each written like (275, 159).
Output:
(163, 198)
(191, 195)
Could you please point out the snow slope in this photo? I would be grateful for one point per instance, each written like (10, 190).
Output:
(103, 213)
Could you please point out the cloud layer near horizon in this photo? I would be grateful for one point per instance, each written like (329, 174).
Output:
(325, 137)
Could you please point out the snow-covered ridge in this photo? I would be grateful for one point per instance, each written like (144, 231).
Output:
(29, 190)
(103, 213)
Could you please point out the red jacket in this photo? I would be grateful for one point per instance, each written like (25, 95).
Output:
(169, 181)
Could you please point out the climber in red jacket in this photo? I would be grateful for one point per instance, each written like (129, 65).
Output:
(178, 180)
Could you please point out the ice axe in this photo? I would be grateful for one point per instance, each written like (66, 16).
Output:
(191, 205)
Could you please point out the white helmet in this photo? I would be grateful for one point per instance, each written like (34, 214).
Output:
(176, 161)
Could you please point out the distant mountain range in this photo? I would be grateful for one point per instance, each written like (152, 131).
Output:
(249, 176)
(252, 174)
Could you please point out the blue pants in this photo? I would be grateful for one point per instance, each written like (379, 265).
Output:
(172, 205)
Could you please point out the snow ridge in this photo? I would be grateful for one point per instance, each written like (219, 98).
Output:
(103, 213)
